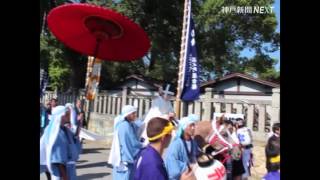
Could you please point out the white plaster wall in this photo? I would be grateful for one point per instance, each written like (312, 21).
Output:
(247, 86)
(245, 97)
(227, 86)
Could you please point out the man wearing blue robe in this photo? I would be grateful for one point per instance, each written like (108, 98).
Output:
(58, 151)
(183, 150)
(44, 118)
(74, 125)
(73, 134)
(125, 145)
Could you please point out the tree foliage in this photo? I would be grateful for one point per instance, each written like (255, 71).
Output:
(220, 38)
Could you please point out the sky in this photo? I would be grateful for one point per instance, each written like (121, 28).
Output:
(247, 53)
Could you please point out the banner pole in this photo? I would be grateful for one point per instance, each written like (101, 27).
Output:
(181, 59)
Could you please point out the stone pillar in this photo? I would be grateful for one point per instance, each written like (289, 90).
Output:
(114, 105)
(275, 116)
(183, 106)
(228, 108)
(109, 104)
(124, 96)
(262, 118)
(207, 104)
(250, 116)
(217, 107)
(105, 100)
(140, 107)
(130, 100)
(100, 103)
(197, 109)
(136, 103)
(96, 100)
(118, 105)
(147, 105)
(239, 108)
(190, 108)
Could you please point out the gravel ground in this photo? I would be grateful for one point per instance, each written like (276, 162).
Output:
(92, 164)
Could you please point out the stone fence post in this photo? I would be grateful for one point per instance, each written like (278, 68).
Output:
(124, 96)
(275, 117)
(206, 104)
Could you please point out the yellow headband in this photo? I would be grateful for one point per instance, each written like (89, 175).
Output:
(275, 159)
(166, 130)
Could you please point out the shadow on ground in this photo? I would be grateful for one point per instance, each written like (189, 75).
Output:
(98, 164)
(92, 176)
(109, 165)
(81, 161)
(93, 150)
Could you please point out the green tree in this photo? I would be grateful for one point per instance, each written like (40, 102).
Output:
(220, 38)
(52, 58)
(66, 67)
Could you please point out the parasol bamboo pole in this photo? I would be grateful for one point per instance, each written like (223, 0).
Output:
(181, 60)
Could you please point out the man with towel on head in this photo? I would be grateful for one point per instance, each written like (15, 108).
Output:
(161, 106)
(58, 151)
(74, 126)
(125, 145)
(183, 150)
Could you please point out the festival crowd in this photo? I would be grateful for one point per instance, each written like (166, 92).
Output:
(156, 147)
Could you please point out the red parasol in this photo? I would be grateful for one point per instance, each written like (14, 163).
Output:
(98, 32)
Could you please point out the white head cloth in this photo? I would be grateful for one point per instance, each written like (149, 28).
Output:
(50, 135)
(185, 121)
(114, 157)
(73, 117)
(127, 109)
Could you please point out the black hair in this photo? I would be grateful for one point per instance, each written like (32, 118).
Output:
(239, 119)
(228, 122)
(155, 126)
(54, 99)
(275, 127)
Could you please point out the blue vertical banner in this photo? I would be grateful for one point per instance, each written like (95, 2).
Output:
(191, 70)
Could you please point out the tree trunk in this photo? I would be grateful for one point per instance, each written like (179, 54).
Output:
(78, 71)
(154, 54)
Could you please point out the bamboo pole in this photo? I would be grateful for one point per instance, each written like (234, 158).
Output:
(181, 60)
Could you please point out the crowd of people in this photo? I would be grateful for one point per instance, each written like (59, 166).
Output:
(160, 147)
(60, 144)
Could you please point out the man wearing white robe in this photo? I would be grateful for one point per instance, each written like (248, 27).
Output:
(125, 145)
(161, 106)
